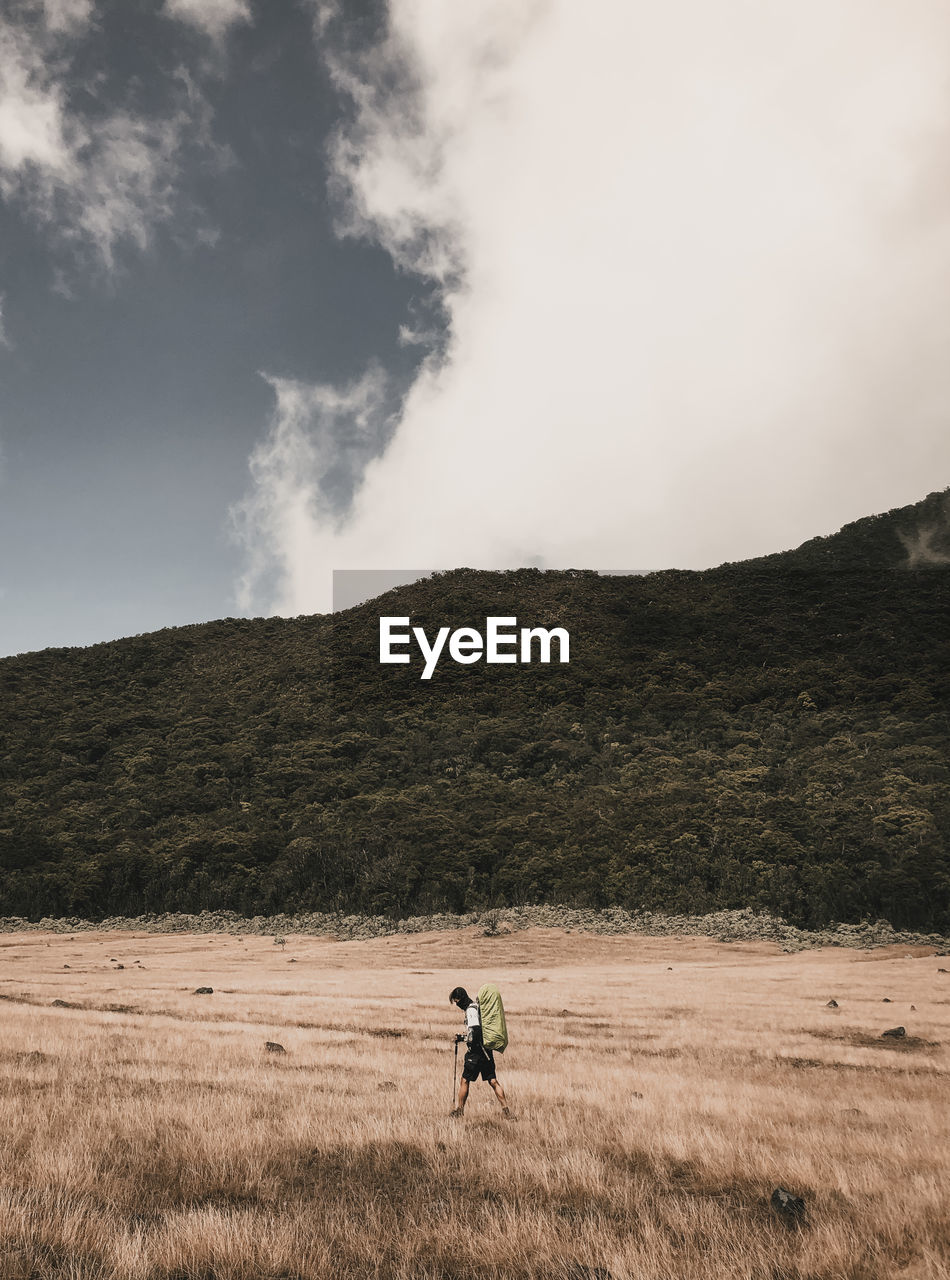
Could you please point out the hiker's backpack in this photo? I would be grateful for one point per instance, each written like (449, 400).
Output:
(491, 1012)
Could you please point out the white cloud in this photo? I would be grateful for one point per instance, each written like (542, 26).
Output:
(695, 261)
(32, 125)
(68, 16)
(126, 182)
(213, 17)
(96, 182)
(304, 472)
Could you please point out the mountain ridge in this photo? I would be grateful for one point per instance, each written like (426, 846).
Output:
(769, 734)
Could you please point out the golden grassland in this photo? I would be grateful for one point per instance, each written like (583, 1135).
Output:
(661, 1089)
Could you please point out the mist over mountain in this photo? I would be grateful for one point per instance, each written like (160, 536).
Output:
(772, 733)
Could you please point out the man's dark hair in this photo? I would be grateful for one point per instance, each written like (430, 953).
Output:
(461, 997)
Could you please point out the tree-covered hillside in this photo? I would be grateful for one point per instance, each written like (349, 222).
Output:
(772, 734)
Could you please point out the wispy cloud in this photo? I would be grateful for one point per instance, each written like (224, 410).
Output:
(929, 544)
(67, 16)
(693, 260)
(96, 181)
(214, 17)
(305, 472)
(32, 110)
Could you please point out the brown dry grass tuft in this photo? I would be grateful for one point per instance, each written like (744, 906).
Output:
(149, 1136)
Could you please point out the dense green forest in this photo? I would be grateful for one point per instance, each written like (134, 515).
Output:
(772, 734)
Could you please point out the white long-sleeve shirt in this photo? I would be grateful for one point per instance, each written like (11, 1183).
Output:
(473, 1021)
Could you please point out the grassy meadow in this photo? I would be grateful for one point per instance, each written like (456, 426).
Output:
(661, 1089)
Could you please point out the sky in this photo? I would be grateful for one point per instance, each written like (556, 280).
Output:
(290, 287)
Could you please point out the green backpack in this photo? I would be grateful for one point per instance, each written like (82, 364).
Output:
(492, 1015)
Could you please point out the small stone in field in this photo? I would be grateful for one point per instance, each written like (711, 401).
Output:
(63, 1004)
(887, 1000)
(913, 1008)
(896, 1033)
(272, 1046)
(832, 1004)
(120, 966)
(204, 991)
(789, 1207)
(65, 966)
(387, 1086)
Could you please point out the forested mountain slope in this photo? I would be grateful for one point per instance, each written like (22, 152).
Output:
(772, 733)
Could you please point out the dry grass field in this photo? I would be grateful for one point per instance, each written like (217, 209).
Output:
(661, 1089)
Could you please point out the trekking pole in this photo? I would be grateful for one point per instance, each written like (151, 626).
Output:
(455, 1069)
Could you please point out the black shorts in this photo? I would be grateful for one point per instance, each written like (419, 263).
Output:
(479, 1064)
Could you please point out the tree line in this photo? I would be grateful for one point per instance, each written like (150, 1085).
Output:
(771, 734)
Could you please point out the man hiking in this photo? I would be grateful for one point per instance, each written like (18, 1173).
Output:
(479, 1062)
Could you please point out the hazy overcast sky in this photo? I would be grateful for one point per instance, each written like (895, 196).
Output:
(290, 286)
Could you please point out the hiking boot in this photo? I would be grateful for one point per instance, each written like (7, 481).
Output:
(457, 1113)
